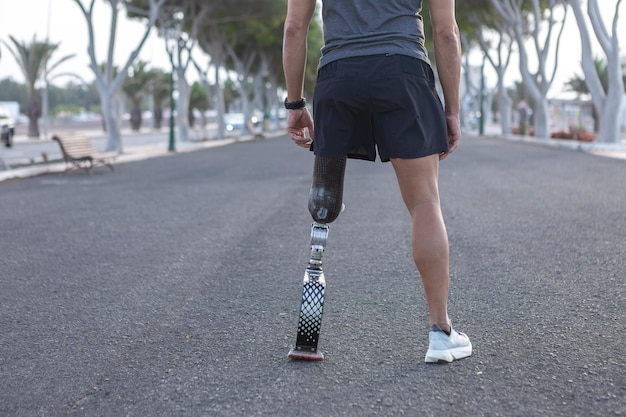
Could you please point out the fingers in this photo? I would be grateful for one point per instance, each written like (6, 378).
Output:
(303, 142)
(299, 137)
(453, 143)
(454, 134)
(299, 123)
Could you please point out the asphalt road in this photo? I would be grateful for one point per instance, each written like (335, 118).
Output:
(171, 287)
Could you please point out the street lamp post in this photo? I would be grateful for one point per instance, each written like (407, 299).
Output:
(172, 141)
(481, 125)
(172, 35)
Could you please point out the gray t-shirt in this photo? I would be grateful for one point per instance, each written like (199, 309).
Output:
(372, 27)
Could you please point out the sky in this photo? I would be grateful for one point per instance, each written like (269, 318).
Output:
(62, 22)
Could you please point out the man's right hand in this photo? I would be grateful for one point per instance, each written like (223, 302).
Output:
(298, 122)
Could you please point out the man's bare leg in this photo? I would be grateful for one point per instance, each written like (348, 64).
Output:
(418, 181)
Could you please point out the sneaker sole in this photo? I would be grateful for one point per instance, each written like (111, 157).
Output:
(448, 355)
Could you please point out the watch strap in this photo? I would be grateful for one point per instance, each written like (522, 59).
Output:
(294, 105)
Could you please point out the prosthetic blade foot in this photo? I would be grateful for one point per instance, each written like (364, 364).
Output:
(311, 308)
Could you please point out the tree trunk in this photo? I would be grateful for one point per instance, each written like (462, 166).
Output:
(191, 119)
(111, 122)
(245, 107)
(605, 104)
(596, 119)
(45, 109)
(610, 122)
(505, 107)
(182, 107)
(592, 78)
(538, 82)
(157, 117)
(470, 91)
(220, 103)
(135, 117)
(33, 110)
(541, 117)
(500, 63)
(108, 85)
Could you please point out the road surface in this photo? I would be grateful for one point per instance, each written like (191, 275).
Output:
(171, 287)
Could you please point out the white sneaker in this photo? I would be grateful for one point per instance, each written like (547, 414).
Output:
(447, 348)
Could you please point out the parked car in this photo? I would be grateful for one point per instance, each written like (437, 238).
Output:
(7, 128)
(234, 121)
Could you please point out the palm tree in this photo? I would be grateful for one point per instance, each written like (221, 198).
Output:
(578, 85)
(135, 86)
(197, 100)
(33, 60)
(160, 92)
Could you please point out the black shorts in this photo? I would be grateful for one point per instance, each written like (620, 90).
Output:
(387, 102)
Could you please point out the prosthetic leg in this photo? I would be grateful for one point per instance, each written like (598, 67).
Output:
(325, 204)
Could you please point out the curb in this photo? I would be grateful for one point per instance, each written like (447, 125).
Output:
(611, 150)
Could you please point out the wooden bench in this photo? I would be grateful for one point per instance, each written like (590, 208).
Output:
(79, 153)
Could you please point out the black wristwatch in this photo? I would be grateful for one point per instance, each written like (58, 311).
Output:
(294, 105)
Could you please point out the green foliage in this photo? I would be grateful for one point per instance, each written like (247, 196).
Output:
(67, 110)
(578, 85)
(31, 58)
(256, 32)
(11, 90)
(230, 93)
(160, 86)
(471, 15)
(136, 85)
(70, 95)
(85, 96)
(476, 15)
(198, 98)
(254, 28)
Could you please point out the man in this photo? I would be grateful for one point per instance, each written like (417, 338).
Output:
(376, 93)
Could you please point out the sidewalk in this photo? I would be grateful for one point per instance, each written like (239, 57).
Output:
(151, 149)
(609, 150)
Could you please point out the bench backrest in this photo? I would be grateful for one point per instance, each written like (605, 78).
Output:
(76, 146)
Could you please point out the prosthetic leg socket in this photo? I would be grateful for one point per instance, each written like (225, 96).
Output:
(325, 198)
